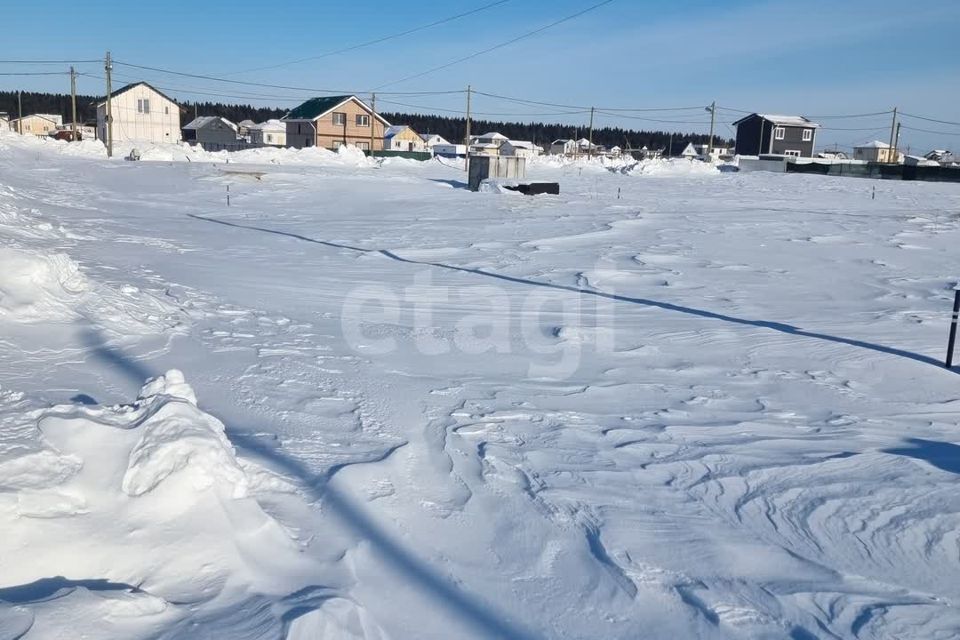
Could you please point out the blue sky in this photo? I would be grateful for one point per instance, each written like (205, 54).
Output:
(816, 57)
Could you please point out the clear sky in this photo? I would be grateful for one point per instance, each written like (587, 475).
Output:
(815, 57)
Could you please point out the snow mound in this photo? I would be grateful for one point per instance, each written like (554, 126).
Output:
(667, 167)
(39, 288)
(158, 474)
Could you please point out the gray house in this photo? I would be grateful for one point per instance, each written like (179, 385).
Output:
(213, 133)
(759, 134)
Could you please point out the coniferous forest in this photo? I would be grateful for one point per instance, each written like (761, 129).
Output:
(451, 128)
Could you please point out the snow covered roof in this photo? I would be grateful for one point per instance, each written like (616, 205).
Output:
(492, 136)
(246, 123)
(521, 144)
(434, 138)
(133, 85)
(205, 121)
(787, 121)
(270, 125)
(563, 141)
(875, 144)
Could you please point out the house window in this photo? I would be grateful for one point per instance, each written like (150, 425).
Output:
(363, 120)
(269, 137)
(336, 144)
(363, 145)
(143, 105)
(778, 133)
(166, 111)
(807, 135)
(791, 152)
(339, 119)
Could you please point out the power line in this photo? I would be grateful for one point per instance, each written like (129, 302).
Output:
(942, 133)
(497, 46)
(37, 73)
(854, 115)
(910, 115)
(378, 40)
(482, 113)
(48, 61)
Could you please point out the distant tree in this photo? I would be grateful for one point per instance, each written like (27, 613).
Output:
(451, 128)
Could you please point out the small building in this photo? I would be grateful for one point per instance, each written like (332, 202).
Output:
(919, 161)
(875, 151)
(333, 122)
(212, 133)
(943, 157)
(244, 126)
(765, 134)
(449, 150)
(832, 155)
(400, 137)
(4, 120)
(689, 152)
(430, 140)
(272, 133)
(37, 124)
(140, 113)
(703, 152)
(563, 147)
(520, 149)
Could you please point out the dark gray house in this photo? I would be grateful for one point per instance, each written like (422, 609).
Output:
(213, 133)
(759, 134)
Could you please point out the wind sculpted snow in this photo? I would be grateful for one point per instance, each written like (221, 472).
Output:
(363, 402)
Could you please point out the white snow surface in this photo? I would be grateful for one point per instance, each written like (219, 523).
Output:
(364, 402)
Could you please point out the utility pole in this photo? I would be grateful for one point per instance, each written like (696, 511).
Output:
(373, 119)
(896, 145)
(670, 148)
(73, 101)
(19, 112)
(108, 67)
(713, 117)
(590, 136)
(893, 133)
(466, 138)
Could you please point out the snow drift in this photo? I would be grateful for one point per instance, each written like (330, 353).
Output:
(159, 475)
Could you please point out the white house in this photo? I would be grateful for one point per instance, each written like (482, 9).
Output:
(718, 151)
(38, 124)
(875, 151)
(448, 150)
(689, 151)
(430, 140)
(520, 149)
(272, 133)
(563, 147)
(140, 114)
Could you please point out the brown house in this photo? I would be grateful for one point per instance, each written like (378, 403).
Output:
(334, 121)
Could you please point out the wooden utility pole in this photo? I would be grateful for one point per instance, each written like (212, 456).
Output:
(466, 138)
(713, 114)
(108, 68)
(670, 148)
(19, 112)
(893, 133)
(896, 145)
(73, 101)
(373, 120)
(590, 136)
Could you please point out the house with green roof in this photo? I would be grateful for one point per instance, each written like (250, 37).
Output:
(335, 121)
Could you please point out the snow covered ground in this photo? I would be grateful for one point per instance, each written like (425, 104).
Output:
(363, 402)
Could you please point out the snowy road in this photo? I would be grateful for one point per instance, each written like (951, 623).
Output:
(708, 408)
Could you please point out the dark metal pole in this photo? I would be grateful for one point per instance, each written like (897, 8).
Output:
(953, 328)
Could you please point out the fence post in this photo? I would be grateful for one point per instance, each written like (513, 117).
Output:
(953, 328)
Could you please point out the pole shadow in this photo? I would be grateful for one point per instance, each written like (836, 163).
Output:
(647, 302)
(469, 608)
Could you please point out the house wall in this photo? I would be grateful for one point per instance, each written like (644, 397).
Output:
(268, 138)
(161, 124)
(301, 133)
(792, 141)
(750, 137)
(216, 136)
(331, 136)
(35, 125)
(872, 154)
(407, 140)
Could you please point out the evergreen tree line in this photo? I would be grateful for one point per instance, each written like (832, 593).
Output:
(451, 128)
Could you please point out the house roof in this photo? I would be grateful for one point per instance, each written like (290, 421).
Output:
(126, 88)
(43, 116)
(427, 137)
(493, 135)
(395, 129)
(787, 121)
(521, 144)
(874, 144)
(322, 105)
(270, 125)
(203, 121)
(246, 123)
